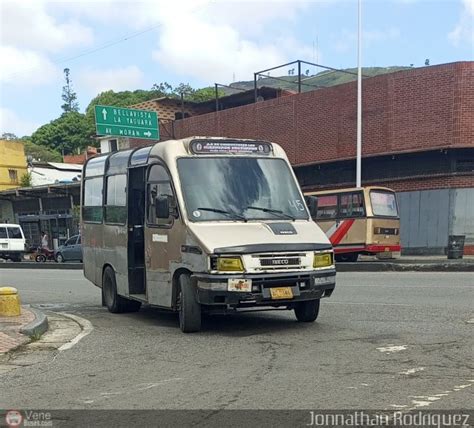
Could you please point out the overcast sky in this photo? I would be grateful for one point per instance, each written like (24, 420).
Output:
(201, 42)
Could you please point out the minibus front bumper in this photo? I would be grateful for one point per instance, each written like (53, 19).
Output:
(212, 289)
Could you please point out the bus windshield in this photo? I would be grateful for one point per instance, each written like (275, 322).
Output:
(383, 203)
(240, 188)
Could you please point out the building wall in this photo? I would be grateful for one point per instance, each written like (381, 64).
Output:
(12, 164)
(428, 217)
(463, 217)
(406, 111)
(166, 108)
(6, 212)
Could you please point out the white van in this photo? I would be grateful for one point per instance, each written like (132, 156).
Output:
(203, 224)
(12, 242)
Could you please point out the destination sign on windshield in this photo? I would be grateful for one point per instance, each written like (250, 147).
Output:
(199, 147)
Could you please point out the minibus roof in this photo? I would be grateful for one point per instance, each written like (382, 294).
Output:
(118, 162)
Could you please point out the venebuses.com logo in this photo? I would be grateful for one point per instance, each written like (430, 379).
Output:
(13, 418)
(29, 418)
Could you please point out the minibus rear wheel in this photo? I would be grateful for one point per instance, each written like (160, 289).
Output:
(189, 309)
(115, 303)
(307, 311)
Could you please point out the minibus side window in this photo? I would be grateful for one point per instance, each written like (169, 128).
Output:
(92, 209)
(327, 207)
(351, 205)
(116, 201)
(3, 233)
(159, 185)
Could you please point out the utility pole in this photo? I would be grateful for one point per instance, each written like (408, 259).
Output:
(359, 98)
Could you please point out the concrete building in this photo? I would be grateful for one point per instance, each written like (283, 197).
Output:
(12, 163)
(43, 173)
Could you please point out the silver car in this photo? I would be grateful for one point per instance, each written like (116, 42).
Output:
(71, 250)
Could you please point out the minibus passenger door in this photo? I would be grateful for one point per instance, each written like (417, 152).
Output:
(164, 234)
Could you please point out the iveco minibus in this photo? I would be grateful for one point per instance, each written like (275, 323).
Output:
(202, 225)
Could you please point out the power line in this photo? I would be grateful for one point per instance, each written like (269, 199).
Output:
(99, 48)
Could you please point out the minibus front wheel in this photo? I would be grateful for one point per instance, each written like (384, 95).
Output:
(115, 303)
(189, 309)
(307, 311)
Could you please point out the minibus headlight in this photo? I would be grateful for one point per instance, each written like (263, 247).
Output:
(322, 260)
(229, 264)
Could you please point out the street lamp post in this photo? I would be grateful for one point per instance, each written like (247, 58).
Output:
(359, 97)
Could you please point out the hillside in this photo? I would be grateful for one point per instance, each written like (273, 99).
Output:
(322, 79)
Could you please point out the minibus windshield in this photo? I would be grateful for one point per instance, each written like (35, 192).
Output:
(383, 203)
(249, 188)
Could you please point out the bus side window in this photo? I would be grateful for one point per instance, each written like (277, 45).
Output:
(327, 206)
(159, 184)
(352, 205)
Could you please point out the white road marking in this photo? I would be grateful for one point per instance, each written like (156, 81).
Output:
(398, 406)
(427, 400)
(137, 388)
(413, 370)
(389, 349)
(86, 326)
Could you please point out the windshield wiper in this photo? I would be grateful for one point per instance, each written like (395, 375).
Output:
(230, 214)
(278, 213)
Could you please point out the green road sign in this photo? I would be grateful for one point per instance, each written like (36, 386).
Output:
(126, 122)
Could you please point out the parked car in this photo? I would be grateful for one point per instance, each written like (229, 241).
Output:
(71, 250)
(12, 242)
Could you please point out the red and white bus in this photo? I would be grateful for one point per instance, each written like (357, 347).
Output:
(359, 221)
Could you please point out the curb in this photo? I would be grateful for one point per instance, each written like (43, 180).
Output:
(38, 326)
(404, 267)
(34, 265)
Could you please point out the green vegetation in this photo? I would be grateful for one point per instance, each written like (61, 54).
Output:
(40, 152)
(25, 180)
(66, 134)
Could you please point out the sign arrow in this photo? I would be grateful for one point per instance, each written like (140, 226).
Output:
(104, 113)
(147, 134)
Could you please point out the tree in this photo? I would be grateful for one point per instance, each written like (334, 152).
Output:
(66, 134)
(9, 136)
(69, 96)
(40, 153)
(206, 94)
(25, 180)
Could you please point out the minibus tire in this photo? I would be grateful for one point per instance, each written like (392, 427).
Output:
(189, 309)
(307, 311)
(115, 303)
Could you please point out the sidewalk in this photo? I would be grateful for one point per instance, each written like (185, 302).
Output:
(10, 336)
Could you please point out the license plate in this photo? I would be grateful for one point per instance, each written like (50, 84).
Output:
(281, 293)
(4, 245)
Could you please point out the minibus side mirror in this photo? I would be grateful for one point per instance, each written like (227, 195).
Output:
(162, 207)
(312, 202)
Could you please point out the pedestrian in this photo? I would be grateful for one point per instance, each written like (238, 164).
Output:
(44, 241)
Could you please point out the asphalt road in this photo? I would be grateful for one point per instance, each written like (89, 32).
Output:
(382, 341)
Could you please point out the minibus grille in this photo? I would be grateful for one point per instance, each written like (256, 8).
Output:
(279, 261)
